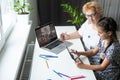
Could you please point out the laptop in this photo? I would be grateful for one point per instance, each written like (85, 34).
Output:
(47, 39)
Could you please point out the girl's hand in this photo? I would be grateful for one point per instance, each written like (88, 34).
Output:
(74, 51)
(78, 60)
(79, 64)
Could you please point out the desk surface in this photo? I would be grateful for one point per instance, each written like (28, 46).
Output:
(63, 64)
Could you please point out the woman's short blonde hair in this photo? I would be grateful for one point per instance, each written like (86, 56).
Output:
(93, 5)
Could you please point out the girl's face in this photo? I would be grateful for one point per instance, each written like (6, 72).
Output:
(103, 35)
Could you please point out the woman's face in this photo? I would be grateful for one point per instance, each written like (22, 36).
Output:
(103, 35)
(92, 16)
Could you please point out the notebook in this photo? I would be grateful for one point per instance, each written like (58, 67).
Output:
(47, 38)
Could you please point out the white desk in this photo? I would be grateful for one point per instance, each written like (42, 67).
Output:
(63, 64)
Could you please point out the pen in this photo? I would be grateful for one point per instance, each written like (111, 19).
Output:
(49, 79)
(65, 75)
(61, 74)
(47, 64)
(49, 56)
(57, 73)
(44, 57)
(79, 77)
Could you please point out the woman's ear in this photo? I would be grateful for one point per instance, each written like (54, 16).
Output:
(109, 33)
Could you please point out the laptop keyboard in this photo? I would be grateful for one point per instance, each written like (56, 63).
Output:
(54, 44)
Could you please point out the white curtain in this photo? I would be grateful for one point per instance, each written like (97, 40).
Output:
(111, 9)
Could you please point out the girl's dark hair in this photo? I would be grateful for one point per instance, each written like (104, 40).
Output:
(108, 24)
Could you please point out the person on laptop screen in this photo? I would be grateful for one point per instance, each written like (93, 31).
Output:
(46, 35)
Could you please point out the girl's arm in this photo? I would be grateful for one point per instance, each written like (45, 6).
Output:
(102, 66)
(86, 53)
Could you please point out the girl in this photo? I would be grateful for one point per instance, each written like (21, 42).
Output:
(107, 67)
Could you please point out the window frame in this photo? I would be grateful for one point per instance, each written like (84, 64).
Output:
(8, 19)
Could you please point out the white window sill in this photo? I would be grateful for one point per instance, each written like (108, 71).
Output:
(12, 53)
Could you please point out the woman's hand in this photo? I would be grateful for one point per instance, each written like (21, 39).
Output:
(64, 36)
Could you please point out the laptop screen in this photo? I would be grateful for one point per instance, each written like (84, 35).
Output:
(45, 34)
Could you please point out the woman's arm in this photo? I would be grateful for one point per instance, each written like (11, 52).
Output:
(74, 35)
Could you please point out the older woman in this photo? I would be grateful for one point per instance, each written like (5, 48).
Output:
(87, 32)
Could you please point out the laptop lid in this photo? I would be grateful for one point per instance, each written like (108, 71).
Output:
(45, 34)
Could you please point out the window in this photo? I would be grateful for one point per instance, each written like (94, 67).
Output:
(7, 20)
(1, 30)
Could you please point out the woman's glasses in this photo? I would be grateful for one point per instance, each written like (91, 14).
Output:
(90, 15)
